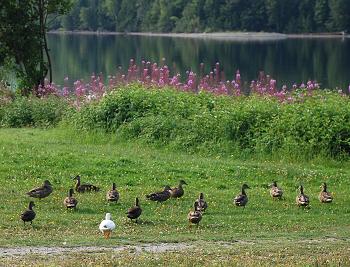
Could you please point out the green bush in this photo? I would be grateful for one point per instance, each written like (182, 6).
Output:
(32, 111)
(315, 125)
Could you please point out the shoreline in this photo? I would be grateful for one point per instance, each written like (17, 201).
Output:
(215, 35)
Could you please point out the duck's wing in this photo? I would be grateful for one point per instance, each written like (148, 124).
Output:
(112, 195)
(36, 191)
(239, 198)
(107, 225)
(325, 197)
(276, 192)
(134, 212)
(70, 202)
(28, 215)
(303, 199)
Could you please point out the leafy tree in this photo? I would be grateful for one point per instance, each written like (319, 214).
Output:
(340, 14)
(189, 21)
(321, 15)
(23, 44)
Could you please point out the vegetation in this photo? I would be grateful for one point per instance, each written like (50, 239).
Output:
(265, 231)
(23, 44)
(302, 124)
(288, 16)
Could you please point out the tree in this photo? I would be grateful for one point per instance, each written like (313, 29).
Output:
(321, 15)
(189, 21)
(340, 14)
(23, 44)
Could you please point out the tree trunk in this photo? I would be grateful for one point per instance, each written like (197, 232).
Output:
(42, 31)
(47, 50)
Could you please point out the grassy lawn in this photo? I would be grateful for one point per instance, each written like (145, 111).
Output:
(267, 231)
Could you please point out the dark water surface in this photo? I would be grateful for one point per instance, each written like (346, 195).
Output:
(326, 60)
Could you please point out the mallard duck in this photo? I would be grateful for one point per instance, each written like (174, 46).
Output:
(113, 194)
(302, 199)
(134, 212)
(177, 192)
(275, 191)
(324, 196)
(242, 199)
(200, 204)
(82, 188)
(194, 217)
(70, 201)
(29, 214)
(42, 191)
(160, 196)
(107, 226)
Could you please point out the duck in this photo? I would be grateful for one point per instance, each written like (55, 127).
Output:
(178, 192)
(82, 188)
(70, 202)
(42, 191)
(200, 204)
(324, 196)
(275, 191)
(134, 212)
(242, 199)
(113, 194)
(302, 200)
(194, 217)
(160, 196)
(107, 226)
(29, 214)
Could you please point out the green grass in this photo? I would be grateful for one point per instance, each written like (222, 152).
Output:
(29, 156)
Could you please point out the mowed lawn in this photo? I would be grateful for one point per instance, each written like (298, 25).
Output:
(29, 156)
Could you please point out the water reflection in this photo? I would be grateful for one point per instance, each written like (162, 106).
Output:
(288, 61)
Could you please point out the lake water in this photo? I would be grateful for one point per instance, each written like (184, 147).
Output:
(326, 60)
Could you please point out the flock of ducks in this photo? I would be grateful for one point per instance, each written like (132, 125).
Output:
(133, 213)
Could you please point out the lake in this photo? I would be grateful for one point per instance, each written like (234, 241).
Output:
(297, 60)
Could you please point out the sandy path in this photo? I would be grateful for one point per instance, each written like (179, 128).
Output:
(156, 248)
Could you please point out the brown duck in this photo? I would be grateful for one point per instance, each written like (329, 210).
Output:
(82, 188)
(275, 191)
(302, 200)
(324, 196)
(113, 194)
(194, 217)
(70, 202)
(242, 199)
(134, 212)
(42, 191)
(200, 204)
(160, 196)
(177, 192)
(29, 214)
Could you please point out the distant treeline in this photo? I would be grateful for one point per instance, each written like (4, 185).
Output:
(286, 16)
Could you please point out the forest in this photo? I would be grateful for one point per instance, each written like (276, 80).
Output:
(284, 16)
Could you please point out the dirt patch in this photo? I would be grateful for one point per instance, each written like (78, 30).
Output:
(155, 248)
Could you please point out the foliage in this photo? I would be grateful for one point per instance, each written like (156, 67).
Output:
(306, 127)
(287, 16)
(32, 111)
(23, 43)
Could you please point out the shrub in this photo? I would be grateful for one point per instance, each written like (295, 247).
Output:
(309, 126)
(33, 111)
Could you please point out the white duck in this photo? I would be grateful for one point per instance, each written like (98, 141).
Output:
(107, 226)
